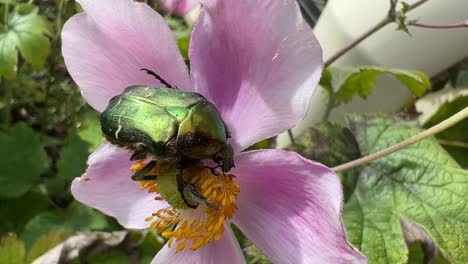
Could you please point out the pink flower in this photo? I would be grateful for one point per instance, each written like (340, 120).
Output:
(180, 7)
(258, 62)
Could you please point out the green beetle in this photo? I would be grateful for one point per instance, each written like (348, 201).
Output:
(162, 123)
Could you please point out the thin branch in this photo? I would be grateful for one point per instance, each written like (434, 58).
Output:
(391, 16)
(429, 132)
(463, 24)
(452, 143)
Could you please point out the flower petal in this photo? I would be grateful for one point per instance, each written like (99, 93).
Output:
(105, 48)
(226, 250)
(258, 62)
(179, 6)
(108, 187)
(290, 208)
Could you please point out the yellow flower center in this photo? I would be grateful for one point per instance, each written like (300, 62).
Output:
(185, 226)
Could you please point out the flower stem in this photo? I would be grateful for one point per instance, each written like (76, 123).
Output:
(446, 26)
(429, 132)
(391, 16)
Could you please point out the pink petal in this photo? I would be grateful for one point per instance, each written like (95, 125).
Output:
(180, 7)
(290, 208)
(105, 48)
(226, 251)
(258, 62)
(107, 186)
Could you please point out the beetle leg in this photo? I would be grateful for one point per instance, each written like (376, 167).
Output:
(213, 169)
(141, 175)
(181, 187)
(140, 154)
(150, 72)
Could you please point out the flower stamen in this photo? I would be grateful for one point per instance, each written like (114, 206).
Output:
(191, 228)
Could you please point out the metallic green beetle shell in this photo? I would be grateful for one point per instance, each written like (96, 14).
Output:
(165, 122)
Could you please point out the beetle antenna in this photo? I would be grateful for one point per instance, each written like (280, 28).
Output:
(159, 78)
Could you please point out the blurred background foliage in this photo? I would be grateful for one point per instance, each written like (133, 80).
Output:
(47, 132)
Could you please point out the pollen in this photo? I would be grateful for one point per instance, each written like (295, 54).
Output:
(187, 227)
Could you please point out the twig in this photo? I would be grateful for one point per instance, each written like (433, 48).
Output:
(391, 16)
(453, 143)
(433, 26)
(429, 132)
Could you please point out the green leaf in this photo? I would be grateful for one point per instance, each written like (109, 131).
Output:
(28, 32)
(17, 212)
(460, 79)
(90, 130)
(184, 44)
(12, 250)
(152, 244)
(47, 242)
(77, 217)
(420, 182)
(41, 225)
(22, 160)
(84, 218)
(179, 27)
(374, 228)
(330, 144)
(344, 83)
(8, 56)
(110, 256)
(58, 188)
(454, 134)
(72, 158)
(405, 7)
(416, 255)
(402, 24)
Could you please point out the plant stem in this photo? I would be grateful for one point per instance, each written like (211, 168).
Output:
(387, 20)
(447, 26)
(330, 106)
(59, 18)
(429, 132)
(451, 143)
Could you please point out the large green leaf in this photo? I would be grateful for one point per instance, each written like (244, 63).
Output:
(421, 183)
(22, 160)
(455, 138)
(84, 218)
(17, 212)
(72, 158)
(45, 243)
(344, 83)
(110, 256)
(12, 250)
(77, 217)
(8, 56)
(90, 130)
(28, 32)
(41, 225)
